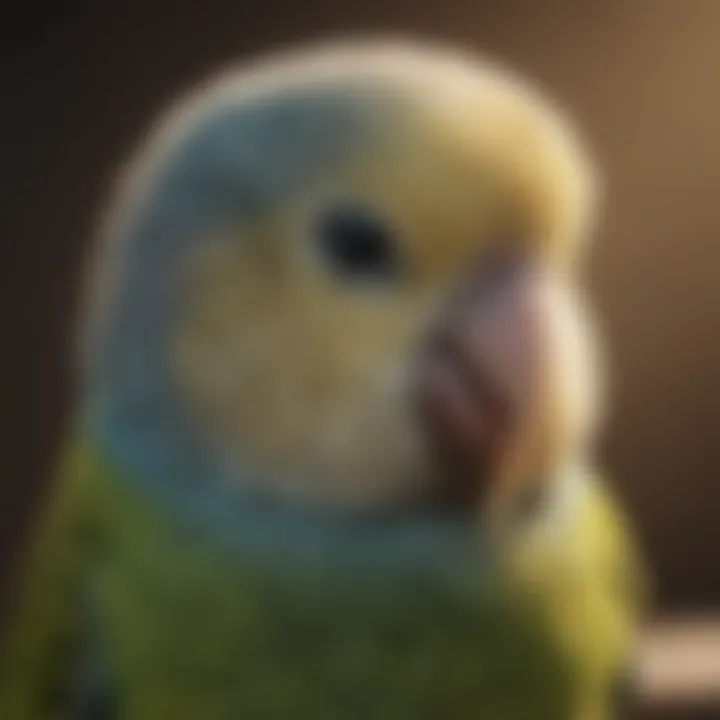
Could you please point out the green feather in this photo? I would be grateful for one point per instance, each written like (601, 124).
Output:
(190, 627)
(43, 638)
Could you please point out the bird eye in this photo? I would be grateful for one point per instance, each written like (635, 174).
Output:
(357, 244)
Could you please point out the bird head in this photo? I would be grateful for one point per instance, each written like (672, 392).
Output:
(348, 274)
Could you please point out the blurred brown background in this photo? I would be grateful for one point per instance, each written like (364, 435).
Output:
(642, 76)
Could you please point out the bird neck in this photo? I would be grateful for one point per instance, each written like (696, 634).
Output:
(176, 475)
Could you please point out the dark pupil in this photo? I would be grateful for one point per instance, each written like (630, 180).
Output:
(357, 243)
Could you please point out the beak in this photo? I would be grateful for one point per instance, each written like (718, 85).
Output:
(479, 374)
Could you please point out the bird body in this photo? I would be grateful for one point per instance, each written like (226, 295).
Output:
(247, 520)
(189, 614)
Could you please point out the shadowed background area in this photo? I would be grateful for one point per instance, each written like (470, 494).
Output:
(80, 83)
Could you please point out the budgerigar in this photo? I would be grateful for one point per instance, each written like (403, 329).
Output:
(332, 458)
